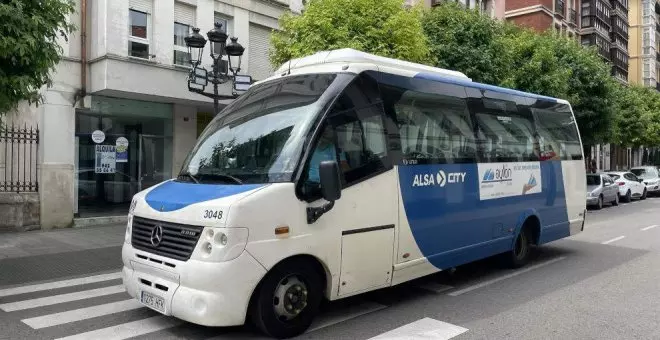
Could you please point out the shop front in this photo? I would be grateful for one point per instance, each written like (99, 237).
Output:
(122, 147)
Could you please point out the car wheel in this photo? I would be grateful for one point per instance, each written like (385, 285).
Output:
(628, 197)
(643, 197)
(287, 300)
(616, 200)
(599, 205)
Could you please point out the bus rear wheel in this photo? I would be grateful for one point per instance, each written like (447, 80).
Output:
(287, 300)
(522, 248)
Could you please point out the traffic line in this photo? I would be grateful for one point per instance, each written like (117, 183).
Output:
(128, 330)
(614, 240)
(426, 328)
(344, 314)
(62, 298)
(59, 284)
(508, 276)
(433, 286)
(649, 227)
(81, 314)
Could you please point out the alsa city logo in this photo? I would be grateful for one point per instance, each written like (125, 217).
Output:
(441, 179)
(502, 174)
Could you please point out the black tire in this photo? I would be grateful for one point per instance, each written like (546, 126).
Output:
(616, 200)
(522, 249)
(599, 205)
(643, 197)
(628, 197)
(269, 309)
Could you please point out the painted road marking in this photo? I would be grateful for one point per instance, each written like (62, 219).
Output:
(59, 284)
(344, 314)
(614, 240)
(426, 328)
(508, 276)
(129, 329)
(649, 227)
(62, 298)
(81, 314)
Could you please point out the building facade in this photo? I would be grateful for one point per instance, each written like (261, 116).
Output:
(119, 117)
(492, 8)
(644, 19)
(542, 15)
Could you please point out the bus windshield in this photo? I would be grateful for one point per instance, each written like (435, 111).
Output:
(258, 138)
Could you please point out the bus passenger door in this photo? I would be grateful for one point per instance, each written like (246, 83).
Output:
(365, 217)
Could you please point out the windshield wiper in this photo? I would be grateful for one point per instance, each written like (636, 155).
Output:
(188, 174)
(223, 176)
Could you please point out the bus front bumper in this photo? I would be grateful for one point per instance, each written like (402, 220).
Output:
(204, 293)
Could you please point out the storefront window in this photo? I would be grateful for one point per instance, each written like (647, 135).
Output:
(120, 154)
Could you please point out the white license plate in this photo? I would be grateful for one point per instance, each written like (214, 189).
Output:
(152, 301)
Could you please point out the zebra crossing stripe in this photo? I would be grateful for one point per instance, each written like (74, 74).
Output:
(128, 330)
(59, 284)
(62, 298)
(81, 314)
(423, 329)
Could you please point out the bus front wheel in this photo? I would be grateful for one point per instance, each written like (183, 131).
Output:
(288, 299)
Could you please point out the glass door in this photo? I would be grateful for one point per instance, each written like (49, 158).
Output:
(153, 165)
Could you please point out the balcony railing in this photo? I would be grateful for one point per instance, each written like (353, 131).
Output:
(572, 17)
(560, 7)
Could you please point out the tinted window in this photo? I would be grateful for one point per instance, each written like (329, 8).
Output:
(432, 119)
(557, 130)
(645, 173)
(607, 179)
(614, 177)
(630, 177)
(504, 129)
(593, 179)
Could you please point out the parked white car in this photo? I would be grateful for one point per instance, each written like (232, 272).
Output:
(630, 186)
(651, 178)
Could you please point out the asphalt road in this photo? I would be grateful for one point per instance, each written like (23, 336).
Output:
(600, 284)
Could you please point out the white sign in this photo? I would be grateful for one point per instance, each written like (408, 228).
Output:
(106, 159)
(497, 180)
(98, 136)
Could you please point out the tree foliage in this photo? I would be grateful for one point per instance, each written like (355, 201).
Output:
(382, 27)
(29, 49)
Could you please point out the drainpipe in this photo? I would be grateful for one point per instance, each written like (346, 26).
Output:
(83, 52)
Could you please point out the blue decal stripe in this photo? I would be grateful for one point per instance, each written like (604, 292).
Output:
(172, 195)
(452, 225)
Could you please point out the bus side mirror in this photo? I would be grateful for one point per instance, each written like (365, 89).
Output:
(330, 182)
(330, 190)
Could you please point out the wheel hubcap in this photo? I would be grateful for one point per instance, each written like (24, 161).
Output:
(290, 298)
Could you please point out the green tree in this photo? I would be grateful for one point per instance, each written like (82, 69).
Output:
(29, 49)
(382, 27)
(467, 41)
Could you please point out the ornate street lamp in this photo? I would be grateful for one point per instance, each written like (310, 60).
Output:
(222, 71)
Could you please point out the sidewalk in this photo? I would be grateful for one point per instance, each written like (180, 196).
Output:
(32, 243)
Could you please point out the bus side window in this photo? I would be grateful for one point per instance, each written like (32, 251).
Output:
(555, 124)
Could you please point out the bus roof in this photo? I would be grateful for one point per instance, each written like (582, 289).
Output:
(348, 55)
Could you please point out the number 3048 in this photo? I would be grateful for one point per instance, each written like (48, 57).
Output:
(213, 214)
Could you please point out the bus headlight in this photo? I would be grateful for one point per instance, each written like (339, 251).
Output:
(129, 221)
(221, 244)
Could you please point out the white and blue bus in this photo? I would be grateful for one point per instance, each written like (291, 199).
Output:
(344, 173)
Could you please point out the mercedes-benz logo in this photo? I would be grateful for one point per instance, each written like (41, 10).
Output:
(156, 235)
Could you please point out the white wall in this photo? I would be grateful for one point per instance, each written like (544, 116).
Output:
(185, 134)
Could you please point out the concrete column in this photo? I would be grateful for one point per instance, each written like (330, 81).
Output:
(242, 31)
(185, 134)
(117, 20)
(56, 155)
(163, 32)
(204, 16)
(98, 33)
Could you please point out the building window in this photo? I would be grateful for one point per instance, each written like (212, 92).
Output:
(226, 24)
(181, 55)
(138, 35)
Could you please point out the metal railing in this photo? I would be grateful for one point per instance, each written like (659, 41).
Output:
(19, 151)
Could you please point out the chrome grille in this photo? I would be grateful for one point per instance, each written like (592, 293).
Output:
(178, 240)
